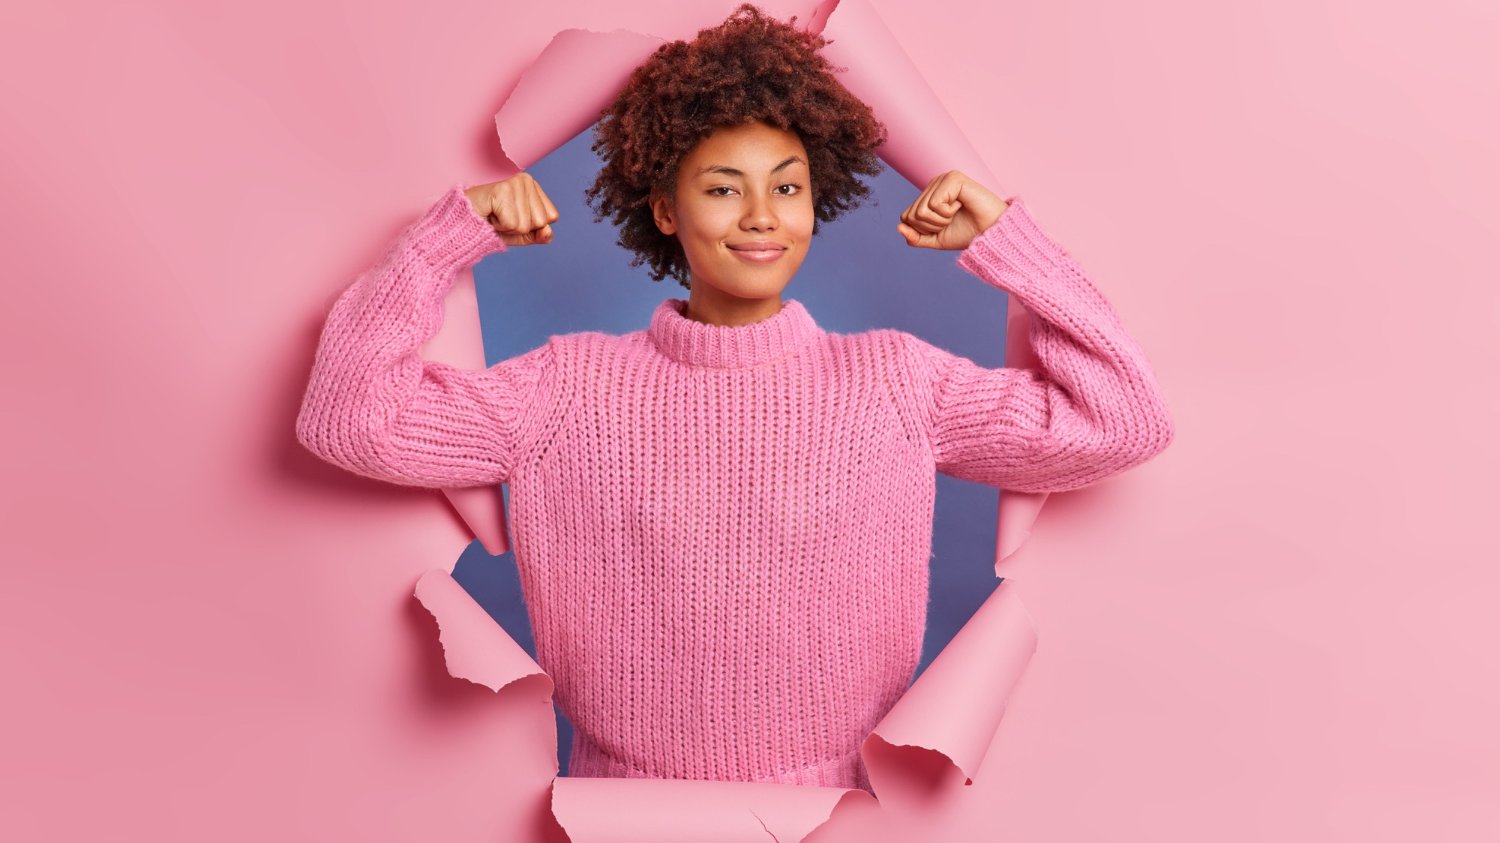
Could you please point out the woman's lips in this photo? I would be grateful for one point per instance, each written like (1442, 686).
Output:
(756, 255)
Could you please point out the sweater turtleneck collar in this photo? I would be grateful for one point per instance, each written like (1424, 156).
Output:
(730, 346)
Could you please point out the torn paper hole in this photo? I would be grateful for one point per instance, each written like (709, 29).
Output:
(936, 735)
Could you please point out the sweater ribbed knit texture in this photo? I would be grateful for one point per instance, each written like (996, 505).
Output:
(723, 532)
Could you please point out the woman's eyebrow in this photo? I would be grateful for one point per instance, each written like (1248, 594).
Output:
(730, 171)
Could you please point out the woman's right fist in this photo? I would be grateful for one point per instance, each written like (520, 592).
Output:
(518, 209)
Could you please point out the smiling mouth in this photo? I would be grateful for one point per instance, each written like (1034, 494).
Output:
(755, 254)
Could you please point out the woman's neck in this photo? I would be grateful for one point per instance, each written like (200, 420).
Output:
(713, 307)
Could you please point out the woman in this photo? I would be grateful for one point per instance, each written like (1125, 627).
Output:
(723, 520)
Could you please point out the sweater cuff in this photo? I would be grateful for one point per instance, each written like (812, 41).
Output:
(451, 236)
(1014, 251)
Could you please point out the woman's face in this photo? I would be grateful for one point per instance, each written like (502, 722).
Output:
(743, 210)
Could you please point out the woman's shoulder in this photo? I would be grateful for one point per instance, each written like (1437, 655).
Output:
(871, 343)
(595, 345)
(895, 344)
(880, 353)
(902, 358)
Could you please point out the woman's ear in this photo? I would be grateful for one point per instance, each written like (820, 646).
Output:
(664, 213)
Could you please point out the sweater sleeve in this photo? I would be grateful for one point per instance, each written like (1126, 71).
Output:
(1091, 409)
(375, 407)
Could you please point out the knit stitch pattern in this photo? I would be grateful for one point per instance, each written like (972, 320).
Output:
(723, 532)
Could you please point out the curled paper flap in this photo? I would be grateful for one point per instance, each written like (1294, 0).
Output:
(930, 743)
(955, 706)
(923, 140)
(475, 648)
(483, 509)
(567, 89)
(1017, 513)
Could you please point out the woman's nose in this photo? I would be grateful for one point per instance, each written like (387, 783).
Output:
(759, 214)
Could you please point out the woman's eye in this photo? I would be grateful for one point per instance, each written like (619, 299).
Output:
(714, 191)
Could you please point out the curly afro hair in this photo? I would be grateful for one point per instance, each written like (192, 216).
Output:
(749, 68)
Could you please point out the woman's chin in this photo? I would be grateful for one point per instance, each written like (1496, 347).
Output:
(750, 292)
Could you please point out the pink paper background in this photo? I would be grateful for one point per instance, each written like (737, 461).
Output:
(1282, 628)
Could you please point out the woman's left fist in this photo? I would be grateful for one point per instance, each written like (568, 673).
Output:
(950, 213)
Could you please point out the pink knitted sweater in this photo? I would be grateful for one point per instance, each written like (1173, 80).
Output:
(723, 532)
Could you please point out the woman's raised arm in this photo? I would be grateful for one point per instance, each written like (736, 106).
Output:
(375, 407)
(1092, 409)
